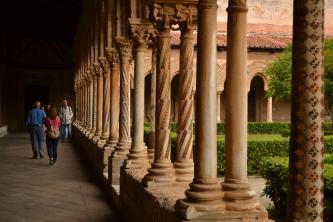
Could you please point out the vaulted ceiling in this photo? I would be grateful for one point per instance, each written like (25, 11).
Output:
(54, 20)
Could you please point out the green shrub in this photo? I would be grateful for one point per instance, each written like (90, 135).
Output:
(275, 172)
(285, 133)
(328, 133)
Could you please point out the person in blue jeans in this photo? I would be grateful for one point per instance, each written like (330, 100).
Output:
(66, 115)
(35, 123)
(52, 123)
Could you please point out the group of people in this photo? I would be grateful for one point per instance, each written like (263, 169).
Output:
(51, 125)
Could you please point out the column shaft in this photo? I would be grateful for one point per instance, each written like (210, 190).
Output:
(184, 162)
(269, 110)
(151, 148)
(124, 144)
(113, 58)
(161, 169)
(305, 190)
(99, 107)
(218, 104)
(106, 99)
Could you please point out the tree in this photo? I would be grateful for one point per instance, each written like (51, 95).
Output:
(279, 73)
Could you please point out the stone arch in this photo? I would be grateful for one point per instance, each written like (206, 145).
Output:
(257, 103)
(257, 69)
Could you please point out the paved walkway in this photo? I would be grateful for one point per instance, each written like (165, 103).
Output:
(31, 190)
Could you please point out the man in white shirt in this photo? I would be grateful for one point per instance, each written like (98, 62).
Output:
(66, 115)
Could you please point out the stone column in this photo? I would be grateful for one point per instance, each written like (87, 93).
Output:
(204, 196)
(218, 104)
(142, 32)
(187, 16)
(239, 198)
(92, 71)
(305, 190)
(269, 110)
(86, 105)
(91, 100)
(151, 148)
(124, 144)
(106, 100)
(99, 107)
(161, 170)
(113, 59)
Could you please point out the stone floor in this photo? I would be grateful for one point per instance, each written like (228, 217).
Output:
(31, 190)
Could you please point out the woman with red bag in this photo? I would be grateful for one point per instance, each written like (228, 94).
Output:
(52, 123)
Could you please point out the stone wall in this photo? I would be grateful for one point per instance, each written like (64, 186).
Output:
(272, 15)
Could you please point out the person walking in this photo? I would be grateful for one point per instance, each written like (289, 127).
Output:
(52, 123)
(66, 115)
(35, 126)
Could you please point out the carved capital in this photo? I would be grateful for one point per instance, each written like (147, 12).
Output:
(97, 68)
(92, 70)
(237, 6)
(163, 15)
(112, 56)
(105, 65)
(125, 49)
(187, 16)
(89, 76)
(143, 31)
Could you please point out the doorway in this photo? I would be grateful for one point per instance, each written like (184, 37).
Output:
(33, 93)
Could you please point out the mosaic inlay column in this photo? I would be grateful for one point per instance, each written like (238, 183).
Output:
(187, 16)
(124, 144)
(204, 196)
(305, 190)
(161, 170)
(142, 31)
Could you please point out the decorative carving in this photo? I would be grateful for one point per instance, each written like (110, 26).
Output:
(187, 16)
(105, 66)
(306, 194)
(112, 56)
(143, 31)
(163, 15)
(125, 50)
(237, 5)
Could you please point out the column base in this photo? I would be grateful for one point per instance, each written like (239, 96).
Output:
(101, 143)
(239, 196)
(122, 149)
(184, 171)
(137, 159)
(91, 135)
(217, 212)
(96, 138)
(159, 174)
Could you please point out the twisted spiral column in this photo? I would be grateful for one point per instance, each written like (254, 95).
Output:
(124, 144)
(184, 163)
(161, 169)
(151, 148)
(305, 190)
(106, 100)
(113, 59)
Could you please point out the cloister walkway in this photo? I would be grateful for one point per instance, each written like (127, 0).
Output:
(31, 190)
